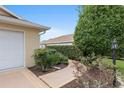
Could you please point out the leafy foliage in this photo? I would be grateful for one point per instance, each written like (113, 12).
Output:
(97, 27)
(46, 58)
(70, 51)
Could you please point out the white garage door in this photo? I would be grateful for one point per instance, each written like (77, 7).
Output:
(11, 49)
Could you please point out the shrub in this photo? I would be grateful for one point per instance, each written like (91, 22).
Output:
(63, 59)
(70, 51)
(57, 58)
(96, 29)
(46, 58)
(119, 53)
(40, 57)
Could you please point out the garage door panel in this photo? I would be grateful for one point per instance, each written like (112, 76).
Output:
(11, 49)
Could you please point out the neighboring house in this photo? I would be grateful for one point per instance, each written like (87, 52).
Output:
(61, 40)
(18, 39)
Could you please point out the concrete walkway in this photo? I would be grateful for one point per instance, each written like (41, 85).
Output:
(59, 78)
(21, 78)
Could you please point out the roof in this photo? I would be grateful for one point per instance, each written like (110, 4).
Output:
(60, 39)
(21, 22)
(11, 13)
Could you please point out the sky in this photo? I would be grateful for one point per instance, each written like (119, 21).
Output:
(61, 19)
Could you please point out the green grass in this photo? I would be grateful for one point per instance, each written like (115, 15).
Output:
(119, 64)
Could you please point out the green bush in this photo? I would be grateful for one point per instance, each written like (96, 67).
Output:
(70, 51)
(46, 58)
(63, 59)
(119, 54)
(97, 27)
(57, 58)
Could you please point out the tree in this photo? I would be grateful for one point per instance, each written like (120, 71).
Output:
(97, 27)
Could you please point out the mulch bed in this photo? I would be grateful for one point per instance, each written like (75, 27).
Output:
(72, 84)
(94, 73)
(38, 72)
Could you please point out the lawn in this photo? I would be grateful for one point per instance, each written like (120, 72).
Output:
(119, 63)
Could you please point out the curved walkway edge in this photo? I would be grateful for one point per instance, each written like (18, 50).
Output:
(59, 78)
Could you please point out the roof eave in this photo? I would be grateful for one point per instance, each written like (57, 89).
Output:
(24, 23)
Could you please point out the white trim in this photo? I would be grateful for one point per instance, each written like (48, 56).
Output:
(24, 60)
(13, 14)
(24, 50)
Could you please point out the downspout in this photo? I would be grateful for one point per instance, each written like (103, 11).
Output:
(41, 33)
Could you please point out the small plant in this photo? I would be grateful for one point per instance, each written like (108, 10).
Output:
(46, 58)
(89, 60)
(40, 57)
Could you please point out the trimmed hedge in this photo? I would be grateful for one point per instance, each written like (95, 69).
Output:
(75, 54)
(70, 51)
(119, 53)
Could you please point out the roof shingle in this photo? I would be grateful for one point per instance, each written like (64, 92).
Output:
(60, 39)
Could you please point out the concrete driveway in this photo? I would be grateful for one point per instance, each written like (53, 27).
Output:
(21, 78)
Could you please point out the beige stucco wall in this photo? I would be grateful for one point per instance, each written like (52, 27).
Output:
(32, 40)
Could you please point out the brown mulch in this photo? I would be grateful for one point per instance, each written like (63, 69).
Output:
(94, 73)
(38, 72)
(72, 84)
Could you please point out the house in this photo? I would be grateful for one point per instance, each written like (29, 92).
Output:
(18, 39)
(61, 40)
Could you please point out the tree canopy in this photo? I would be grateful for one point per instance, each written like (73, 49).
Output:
(97, 27)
